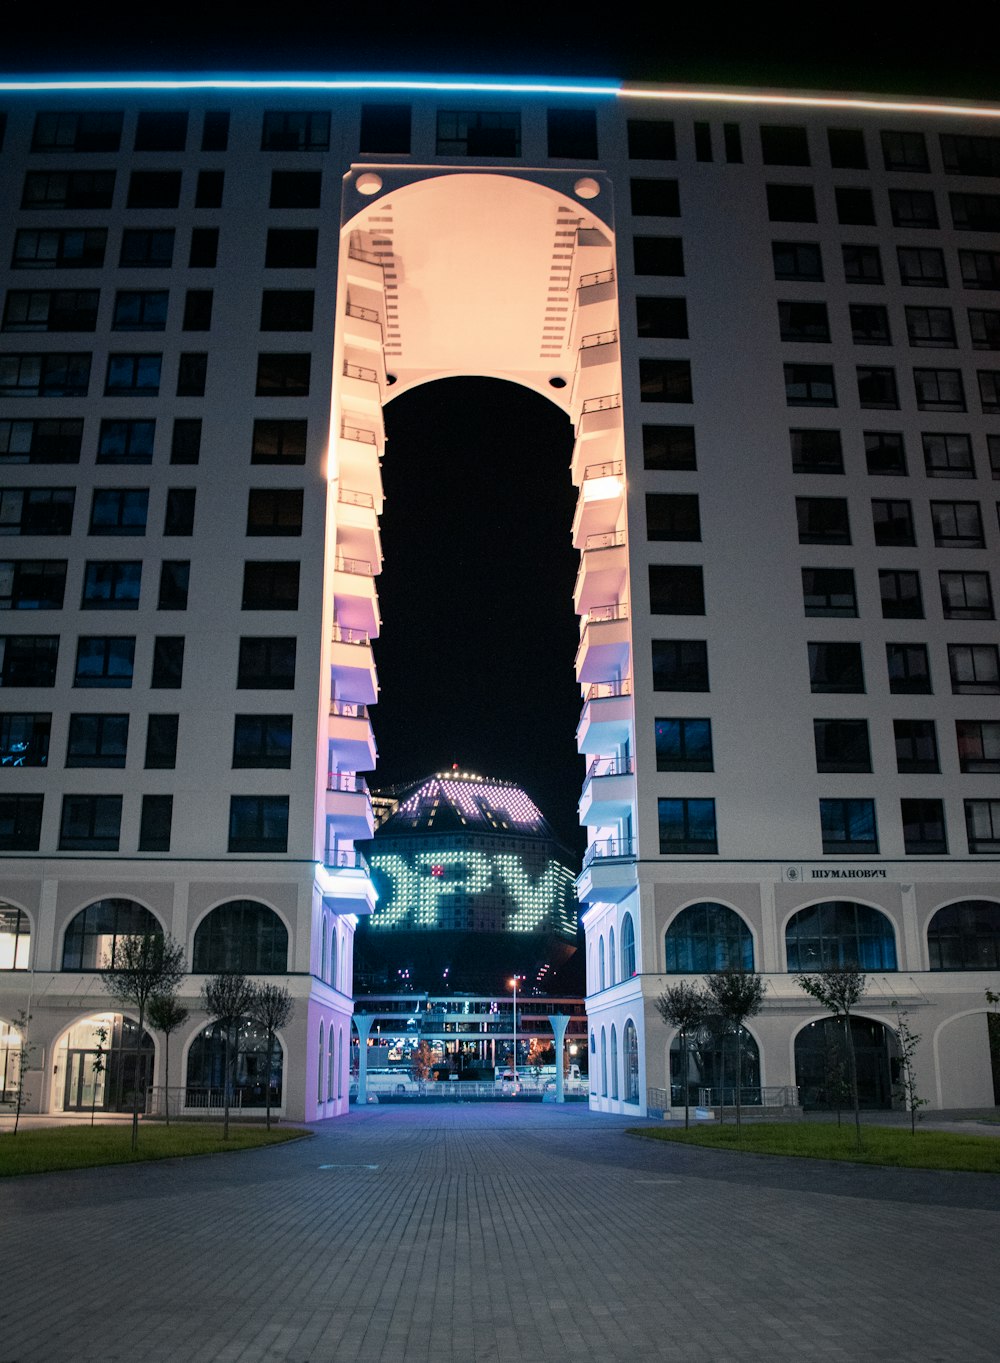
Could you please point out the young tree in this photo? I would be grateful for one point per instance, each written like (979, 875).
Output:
(229, 999)
(840, 990)
(834, 1072)
(683, 1006)
(421, 1061)
(97, 1066)
(735, 995)
(24, 1055)
(273, 1007)
(906, 1084)
(993, 1032)
(143, 966)
(166, 1015)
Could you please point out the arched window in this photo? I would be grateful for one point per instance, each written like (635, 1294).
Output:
(611, 956)
(334, 978)
(329, 1063)
(840, 933)
(604, 1063)
(92, 936)
(113, 1087)
(708, 1065)
(340, 1063)
(15, 938)
(630, 1042)
(600, 963)
(241, 936)
(319, 1067)
(821, 1064)
(706, 937)
(206, 1066)
(322, 953)
(614, 1062)
(628, 947)
(965, 936)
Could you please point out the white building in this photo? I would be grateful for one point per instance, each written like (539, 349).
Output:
(770, 319)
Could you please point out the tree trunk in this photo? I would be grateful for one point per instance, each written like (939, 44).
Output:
(135, 1079)
(739, 1076)
(684, 1081)
(852, 1067)
(166, 1074)
(267, 1082)
(225, 1089)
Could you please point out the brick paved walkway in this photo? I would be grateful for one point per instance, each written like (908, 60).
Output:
(496, 1234)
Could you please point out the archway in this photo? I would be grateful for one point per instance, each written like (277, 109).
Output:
(708, 1066)
(96, 1066)
(821, 1066)
(206, 1067)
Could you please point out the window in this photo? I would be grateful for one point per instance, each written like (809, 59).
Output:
(185, 440)
(20, 822)
(661, 317)
(215, 130)
(823, 520)
(111, 586)
(975, 212)
(179, 519)
(302, 188)
(803, 322)
(680, 665)
(209, 189)
(197, 310)
(133, 375)
(241, 936)
(703, 141)
(965, 936)
(94, 130)
(140, 310)
(161, 742)
(855, 207)
(877, 387)
(274, 511)
(980, 269)
(93, 934)
(258, 823)
(791, 203)
(782, 146)
(175, 578)
(978, 745)
(97, 741)
(885, 453)
(283, 374)
(810, 385)
(32, 584)
(948, 456)
(119, 511)
(734, 155)
(989, 389)
(52, 375)
(957, 525)
(815, 451)
(923, 827)
(847, 148)
(655, 198)
(279, 442)
(984, 328)
(982, 826)
(168, 662)
(974, 669)
(964, 155)
(829, 592)
(147, 248)
(46, 441)
(47, 189)
(155, 822)
(271, 585)
(161, 130)
(840, 934)
(628, 955)
(28, 659)
(676, 590)
(684, 745)
(992, 447)
(90, 823)
(104, 661)
(848, 827)
(916, 745)
(707, 937)
(893, 522)
(204, 250)
(384, 128)
(836, 668)
(922, 266)
(291, 248)
(463, 132)
(668, 448)
(913, 208)
(192, 373)
(36, 510)
(842, 745)
(665, 380)
(51, 310)
(154, 189)
(296, 132)
(671, 516)
(572, 133)
(67, 248)
(262, 741)
(900, 593)
(797, 260)
(651, 139)
(862, 264)
(266, 664)
(909, 669)
(24, 740)
(966, 596)
(658, 255)
(939, 390)
(904, 151)
(286, 310)
(688, 827)
(869, 324)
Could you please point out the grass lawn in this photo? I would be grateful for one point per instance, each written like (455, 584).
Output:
(81, 1147)
(820, 1140)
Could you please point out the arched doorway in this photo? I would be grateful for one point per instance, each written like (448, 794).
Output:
(708, 1066)
(206, 1067)
(821, 1064)
(97, 1067)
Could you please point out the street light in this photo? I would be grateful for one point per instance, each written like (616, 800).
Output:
(514, 986)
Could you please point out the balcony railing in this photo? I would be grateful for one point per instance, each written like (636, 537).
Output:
(358, 433)
(605, 690)
(362, 314)
(345, 634)
(602, 404)
(348, 709)
(601, 614)
(610, 539)
(360, 371)
(346, 782)
(598, 338)
(587, 281)
(609, 849)
(610, 469)
(345, 859)
(360, 566)
(610, 766)
(352, 498)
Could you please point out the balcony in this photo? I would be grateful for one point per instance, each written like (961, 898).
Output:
(352, 666)
(609, 871)
(346, 881)
(350, 737)
(597, 365)
(603, 571)
(357, 526)
(608, 791)
(607, 719)
(596, 304)
(358, 458)
(362, 326)
(361, 384)
(355, 597)
(603, 653)
(365, 266)
(349, 805)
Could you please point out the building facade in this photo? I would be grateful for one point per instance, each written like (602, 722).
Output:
(774, 323)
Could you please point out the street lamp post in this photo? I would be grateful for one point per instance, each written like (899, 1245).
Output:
(514, 984)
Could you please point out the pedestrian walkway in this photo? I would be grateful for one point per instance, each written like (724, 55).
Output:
(503, 1234)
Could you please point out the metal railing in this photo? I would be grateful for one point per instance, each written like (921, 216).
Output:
(609, 849)
(345, 859)
(610, 766)
(348, 782)
(609, 539)
(597, 338)
(608, 690)
(402, 1087)
(751, 1095)
(348, 709)
(360, 371)
(362, 314)
(352, 498)
(587, 281)
(602, 404)
(346, 634)
(360, 434)
(609, 469)
(358, 252)
(617, 610)
(359, 566)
